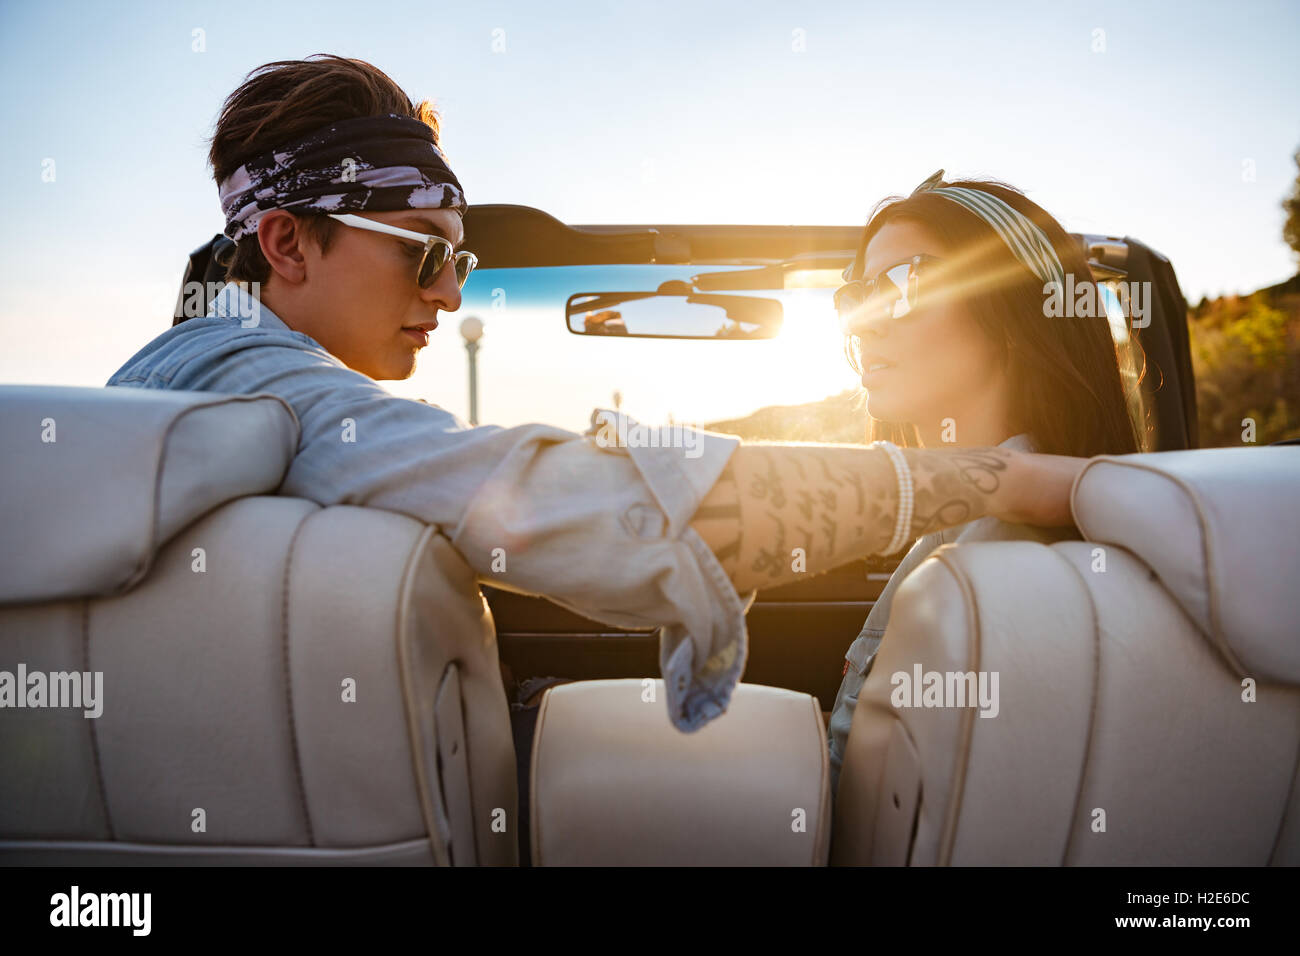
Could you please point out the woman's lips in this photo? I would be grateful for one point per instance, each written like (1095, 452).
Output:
(875, 372)
(420, 336)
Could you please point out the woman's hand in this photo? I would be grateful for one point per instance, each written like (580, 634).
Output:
(1037, 490)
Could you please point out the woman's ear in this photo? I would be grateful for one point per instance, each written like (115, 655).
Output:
(281, 238)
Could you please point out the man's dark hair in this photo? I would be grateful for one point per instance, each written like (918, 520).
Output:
(283, 101)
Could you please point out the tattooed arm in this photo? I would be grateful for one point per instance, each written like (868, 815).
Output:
(838, 502)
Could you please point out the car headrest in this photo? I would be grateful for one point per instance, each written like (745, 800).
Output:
(1220, 527)
(96, 479)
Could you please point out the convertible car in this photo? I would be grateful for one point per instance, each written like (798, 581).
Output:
(284, 683)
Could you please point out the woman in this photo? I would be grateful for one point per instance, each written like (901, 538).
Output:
(955, 321)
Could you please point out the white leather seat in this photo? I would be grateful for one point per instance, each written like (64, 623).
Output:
(281, 682)
(615, 784)
(1148, 706)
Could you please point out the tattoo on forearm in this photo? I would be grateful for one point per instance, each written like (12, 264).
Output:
(842, 501)
(718, 520)
(828, 529)
(767, 487)
(842, 506)
(805, 503)
(772, 560)
(983, 469)
(954, 489)
(827, 473)
(855, 480)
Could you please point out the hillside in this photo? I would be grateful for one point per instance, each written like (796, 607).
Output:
(840, 418)
(1246, 358)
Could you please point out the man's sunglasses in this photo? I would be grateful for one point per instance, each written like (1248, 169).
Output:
(437, 250)
(892, 294)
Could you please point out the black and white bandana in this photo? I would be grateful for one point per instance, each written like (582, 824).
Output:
(377, 163)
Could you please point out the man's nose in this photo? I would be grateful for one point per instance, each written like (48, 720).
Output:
(445, 291)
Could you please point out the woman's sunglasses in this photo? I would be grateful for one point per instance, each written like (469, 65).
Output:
(891, 294)
(437, 250)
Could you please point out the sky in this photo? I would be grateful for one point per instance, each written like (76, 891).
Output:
(1175, 123)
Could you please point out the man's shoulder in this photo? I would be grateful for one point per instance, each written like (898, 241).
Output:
(208, 342)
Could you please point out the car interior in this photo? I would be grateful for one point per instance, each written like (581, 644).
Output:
(232, 738)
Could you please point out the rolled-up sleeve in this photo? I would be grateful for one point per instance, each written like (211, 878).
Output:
(604, 529)
(600, 527)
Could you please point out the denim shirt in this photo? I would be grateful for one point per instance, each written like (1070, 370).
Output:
(599, 527)
(862, 652)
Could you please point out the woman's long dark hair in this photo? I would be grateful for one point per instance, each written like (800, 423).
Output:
(1066, 388)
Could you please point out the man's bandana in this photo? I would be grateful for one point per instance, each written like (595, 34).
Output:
(377, 163)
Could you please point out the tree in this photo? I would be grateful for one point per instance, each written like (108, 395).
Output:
(1291, 206)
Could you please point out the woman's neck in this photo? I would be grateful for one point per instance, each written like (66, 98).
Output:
(983, 422)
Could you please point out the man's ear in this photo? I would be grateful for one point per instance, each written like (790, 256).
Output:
(281, 238)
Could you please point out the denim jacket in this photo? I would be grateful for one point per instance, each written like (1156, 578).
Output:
(862, 652)
(599, 527)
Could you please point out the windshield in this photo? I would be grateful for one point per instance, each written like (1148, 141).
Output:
(532, 369)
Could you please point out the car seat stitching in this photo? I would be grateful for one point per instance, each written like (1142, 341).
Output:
(1290, 793)
(825, 784)
(1092, 706)
(288, 676)
(888, 711)
(535, 830)
(949, 838)
(152, 544)
(1216, 633)
(916, 811)
(479, 851)
(94, 735)
(438, 836)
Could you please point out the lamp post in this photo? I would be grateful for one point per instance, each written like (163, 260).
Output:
(471, 330)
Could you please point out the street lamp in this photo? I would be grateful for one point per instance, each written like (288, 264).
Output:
(471, 330)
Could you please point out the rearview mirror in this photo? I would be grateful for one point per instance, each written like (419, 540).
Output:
(673, 315)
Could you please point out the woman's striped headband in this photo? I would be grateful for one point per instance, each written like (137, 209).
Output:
(1026, 240)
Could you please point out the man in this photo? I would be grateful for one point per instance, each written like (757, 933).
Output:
(347, 216)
